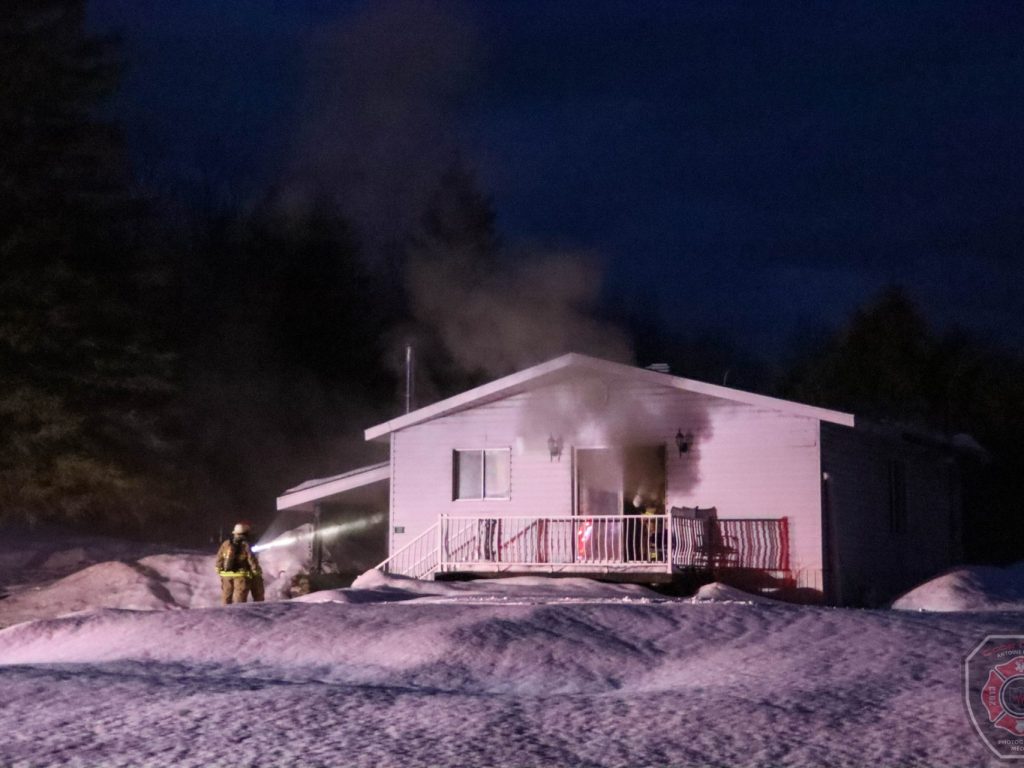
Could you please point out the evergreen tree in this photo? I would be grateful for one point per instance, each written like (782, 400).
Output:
(281, 355)
(887, 364)
(82, 385)
(877, 366)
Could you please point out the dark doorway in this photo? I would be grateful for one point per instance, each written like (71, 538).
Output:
(610, 483)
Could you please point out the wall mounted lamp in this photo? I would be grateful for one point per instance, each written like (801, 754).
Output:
(555, 447)
(683, 442)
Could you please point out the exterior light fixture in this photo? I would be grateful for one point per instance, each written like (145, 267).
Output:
(555, 447)
(683, 441)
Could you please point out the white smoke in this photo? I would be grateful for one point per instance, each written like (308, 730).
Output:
(305, 533)
(494, 319)
(384, 87)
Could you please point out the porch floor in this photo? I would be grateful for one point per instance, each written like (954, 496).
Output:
(625, 573)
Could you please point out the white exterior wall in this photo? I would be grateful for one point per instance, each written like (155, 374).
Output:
(422, 472)
(759, 464)
(745, 460)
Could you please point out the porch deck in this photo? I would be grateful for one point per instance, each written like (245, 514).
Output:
(640, 548)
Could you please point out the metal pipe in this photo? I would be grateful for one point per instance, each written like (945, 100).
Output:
(408, 378)
(317, 542)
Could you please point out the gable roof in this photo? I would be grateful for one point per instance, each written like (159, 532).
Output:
(558, 368)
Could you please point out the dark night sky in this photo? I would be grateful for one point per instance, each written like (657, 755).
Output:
(758, 169)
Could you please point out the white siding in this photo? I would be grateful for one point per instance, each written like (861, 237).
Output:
(421, 459)
(745, 460)
(759, 464)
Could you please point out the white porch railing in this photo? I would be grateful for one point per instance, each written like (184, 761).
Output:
(417, 559)
(620, 543)
(751, 544)
(609, 540)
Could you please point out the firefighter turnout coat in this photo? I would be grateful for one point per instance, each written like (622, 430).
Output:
(239, 572)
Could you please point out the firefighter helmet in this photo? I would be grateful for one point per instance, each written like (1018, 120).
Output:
(240, 529)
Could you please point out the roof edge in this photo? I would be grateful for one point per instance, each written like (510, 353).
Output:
(510, 382)
(457, 402)
(357, 478)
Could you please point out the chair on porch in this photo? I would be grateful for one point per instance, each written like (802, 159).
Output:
(712, 548)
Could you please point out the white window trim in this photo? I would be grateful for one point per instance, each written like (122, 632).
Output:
(477, 500)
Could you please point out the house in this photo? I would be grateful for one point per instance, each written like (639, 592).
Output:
(586, 467)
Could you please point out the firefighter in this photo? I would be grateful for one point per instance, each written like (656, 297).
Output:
(238, 568)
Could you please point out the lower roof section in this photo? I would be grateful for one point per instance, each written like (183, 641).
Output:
(322, 488)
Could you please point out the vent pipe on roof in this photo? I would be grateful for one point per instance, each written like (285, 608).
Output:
(408, 378)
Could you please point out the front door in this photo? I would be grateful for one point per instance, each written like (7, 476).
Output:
(611, 483)
(598, 498)
(643, 476)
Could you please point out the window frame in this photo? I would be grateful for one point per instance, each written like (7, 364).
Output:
(507, 451)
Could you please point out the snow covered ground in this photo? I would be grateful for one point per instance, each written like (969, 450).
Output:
(525, 672)
(54, 575)
(971, 588)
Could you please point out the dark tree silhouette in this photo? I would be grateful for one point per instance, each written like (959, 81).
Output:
(876, 366)
(281, 351)
(82, 384)
(888, 364)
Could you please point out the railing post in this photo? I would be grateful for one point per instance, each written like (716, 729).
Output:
(668, 542)
(784, 541)
(441, 523)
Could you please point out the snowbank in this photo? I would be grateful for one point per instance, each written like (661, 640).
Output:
(167, 581)
(177, 581)
(529, 671)
(602, 681)
(29, 557)
(377, 587)
(724, 593)
(972, 588)
(158, 582)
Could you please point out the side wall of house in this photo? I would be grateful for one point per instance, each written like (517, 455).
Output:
(881, 545)
(756, 463)
(422, 469)
(747, 461)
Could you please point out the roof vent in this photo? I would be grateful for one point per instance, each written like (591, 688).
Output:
(658, 367)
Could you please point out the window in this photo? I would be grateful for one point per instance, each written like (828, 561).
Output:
(481, 474)
(897, 496)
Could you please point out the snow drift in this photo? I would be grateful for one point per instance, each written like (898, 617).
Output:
(527, 671)
(602, 678)
(971, 588)
(167, 581)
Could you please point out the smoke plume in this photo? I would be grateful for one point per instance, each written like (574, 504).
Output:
(494, 318)
(385, 85)
(388, 87)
